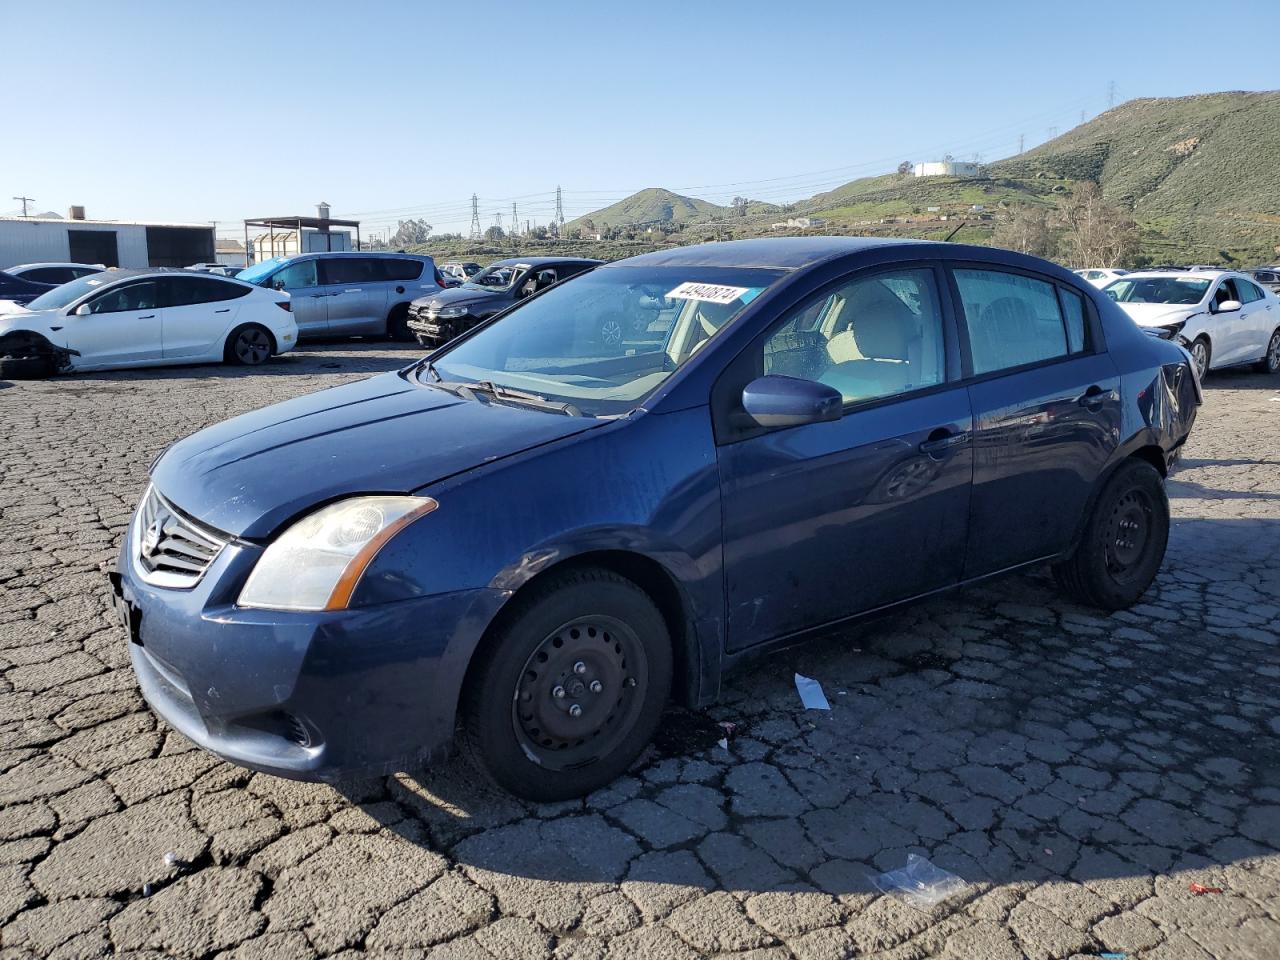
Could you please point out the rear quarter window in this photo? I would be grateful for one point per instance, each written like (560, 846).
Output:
(396, 269)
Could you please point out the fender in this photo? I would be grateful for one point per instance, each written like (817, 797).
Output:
(40, 345)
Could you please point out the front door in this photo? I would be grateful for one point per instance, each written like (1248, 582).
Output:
(357, 294)
(828, 520)
(1046, 410)
(124, 326)
(308, 300)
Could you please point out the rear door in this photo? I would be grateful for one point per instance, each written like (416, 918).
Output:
(124, 326)
(827, 520)
(198, 314)
(1046, 406)
(355, 293)
(1258, 319)
(308, 300)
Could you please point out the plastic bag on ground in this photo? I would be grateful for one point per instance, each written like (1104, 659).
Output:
(811, 694)
(919, 883)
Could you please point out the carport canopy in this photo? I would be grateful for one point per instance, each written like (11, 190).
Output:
(296, 223)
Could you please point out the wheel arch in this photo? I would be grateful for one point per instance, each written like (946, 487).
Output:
(689, 666)
(1149, 453)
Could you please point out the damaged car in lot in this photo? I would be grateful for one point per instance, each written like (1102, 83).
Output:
(540, 541)
(138, 318)
(438, 318)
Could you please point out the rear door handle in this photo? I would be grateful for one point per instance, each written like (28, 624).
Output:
(1092, 399)
(352, 290)
(941, 444)
(149, 316)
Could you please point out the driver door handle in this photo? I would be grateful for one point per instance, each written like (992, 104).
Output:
(351, 290)
(942, 444)
(149, 316)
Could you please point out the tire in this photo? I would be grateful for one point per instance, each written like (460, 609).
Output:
(1123, 543)
(1270, 362)
(249, 346)
(1201, 355)
(25, 368)
(587, 639)
(613, 330)
(398, 324)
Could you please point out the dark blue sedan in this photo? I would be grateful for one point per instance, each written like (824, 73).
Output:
(542, 538)
(19, 290)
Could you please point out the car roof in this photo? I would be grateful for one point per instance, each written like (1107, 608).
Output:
(541, 261)
(354, 253)
(1192, 274)
(51, 263)
(785, 253)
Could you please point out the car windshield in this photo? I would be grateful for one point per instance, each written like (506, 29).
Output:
(73, 290)
(496, 277)
(603, 341)
(1173, 290)
(259, 271)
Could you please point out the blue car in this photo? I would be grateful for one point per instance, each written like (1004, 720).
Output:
(20, 291)
(541, 541)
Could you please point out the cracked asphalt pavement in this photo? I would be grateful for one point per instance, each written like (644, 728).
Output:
(1079, 771)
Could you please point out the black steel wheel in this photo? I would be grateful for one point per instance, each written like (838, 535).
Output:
(249, 346)
(1123, 542)
(569, 687)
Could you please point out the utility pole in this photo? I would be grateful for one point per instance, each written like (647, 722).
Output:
(1082, 116)
(475, 218)
(26, 200)
(1111, 94)
(559, 213)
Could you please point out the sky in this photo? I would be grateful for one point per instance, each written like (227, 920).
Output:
(393, 110)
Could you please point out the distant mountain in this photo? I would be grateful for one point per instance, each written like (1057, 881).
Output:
(658, 205)
(1201, 175)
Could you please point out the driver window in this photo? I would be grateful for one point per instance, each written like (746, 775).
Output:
(127, 298)
(295, 276)
(870, 338)
(1226, 291)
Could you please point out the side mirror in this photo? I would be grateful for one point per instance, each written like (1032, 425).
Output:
(83, 310)
(778, 401)
(1226, 306)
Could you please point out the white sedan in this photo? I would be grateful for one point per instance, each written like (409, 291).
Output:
(1224, 319)
(137, 318)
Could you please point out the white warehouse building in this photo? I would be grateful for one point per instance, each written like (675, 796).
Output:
(947, 168)
(112, 243)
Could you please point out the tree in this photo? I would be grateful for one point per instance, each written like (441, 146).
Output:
(740, 206)
(1027, 231)
(905, 167)
(494, 233)
(1096, 233)
(410, 232)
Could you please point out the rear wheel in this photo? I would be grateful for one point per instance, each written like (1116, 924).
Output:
(398, 324)
(570, 688)
(1123, 543)
(248, 346)
(1201, 353)
(1270, 362)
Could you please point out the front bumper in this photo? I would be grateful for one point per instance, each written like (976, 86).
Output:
(310, 696)
(435, 332)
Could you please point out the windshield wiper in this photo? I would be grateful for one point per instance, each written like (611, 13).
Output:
(521, 397)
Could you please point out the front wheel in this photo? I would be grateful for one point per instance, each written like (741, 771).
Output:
(1270, 362)
(1123, 543)
(1200, 355)
(248, 346)
(570, 688)
(33, 366)
(398, 324)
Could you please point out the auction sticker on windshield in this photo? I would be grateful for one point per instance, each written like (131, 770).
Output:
(708, 292)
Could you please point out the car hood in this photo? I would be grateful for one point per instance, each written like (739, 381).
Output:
(456, 297)
(1158, 314)
(13, 316)
(387, 434)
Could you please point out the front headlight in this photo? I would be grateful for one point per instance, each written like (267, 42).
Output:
(448, 313)
(317, 562)
(1170, 331)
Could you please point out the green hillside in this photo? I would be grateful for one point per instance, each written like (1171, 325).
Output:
(1200, 175)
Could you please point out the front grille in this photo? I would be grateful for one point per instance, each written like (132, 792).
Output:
(172, 550)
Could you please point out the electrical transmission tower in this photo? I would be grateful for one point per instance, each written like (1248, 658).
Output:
(475, 218)
(1111, 94)
(515, 224)
(1022, 138)
(559, 213)
(497, 219)
(1053, 132)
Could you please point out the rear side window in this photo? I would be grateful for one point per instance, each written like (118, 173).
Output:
(350, 270)
(50, 275)
(1012, 320)
(1073, 314)
(394, 269)
(187, 291)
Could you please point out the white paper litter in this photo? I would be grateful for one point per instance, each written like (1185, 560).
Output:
(919, 883)
(724, 743)
(811, 694)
